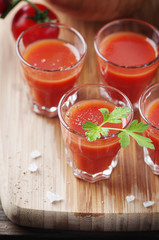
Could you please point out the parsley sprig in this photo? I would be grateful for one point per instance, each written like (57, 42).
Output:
(94, 131)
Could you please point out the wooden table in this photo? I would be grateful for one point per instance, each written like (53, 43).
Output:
(19, 115)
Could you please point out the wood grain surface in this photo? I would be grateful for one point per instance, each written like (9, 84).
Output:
(92, 207)
(91, 10)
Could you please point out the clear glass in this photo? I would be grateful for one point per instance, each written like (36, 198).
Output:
(149, 97)
(91, 161)
(131, 80)
(45, 87)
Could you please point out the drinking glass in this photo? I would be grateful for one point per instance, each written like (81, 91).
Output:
(149, 110)
(130, 78)
(95, 160)
(46, 85)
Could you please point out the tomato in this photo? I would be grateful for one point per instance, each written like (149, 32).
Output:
(40, 31)
(31, 14)
(3, 5)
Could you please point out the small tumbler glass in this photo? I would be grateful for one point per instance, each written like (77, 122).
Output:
(95, 160)
(129, 72)
(149, 111)
(51, 57)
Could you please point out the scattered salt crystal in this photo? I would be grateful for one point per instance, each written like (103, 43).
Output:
(53, 197)
(148, 203)
(33, 167)
(35, 154)
(130, 198)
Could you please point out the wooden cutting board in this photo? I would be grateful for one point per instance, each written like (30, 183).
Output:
(101, 206)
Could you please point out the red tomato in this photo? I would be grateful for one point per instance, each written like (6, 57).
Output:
(40, 31)
(27, 16)
(3, 5)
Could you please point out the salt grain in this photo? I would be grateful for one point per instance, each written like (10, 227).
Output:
(35, 154)
(130, 198)
(148, 203)
(53, 197)
(33, 167)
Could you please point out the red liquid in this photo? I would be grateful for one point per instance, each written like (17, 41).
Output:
(152, 133)
(48, 86)
(128, 49)
(92, 157)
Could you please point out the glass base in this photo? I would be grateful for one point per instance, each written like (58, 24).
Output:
(47, 112)
(150, 163)
(92, 178)
(41, 110)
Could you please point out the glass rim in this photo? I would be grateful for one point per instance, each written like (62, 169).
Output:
(125, 66)
(64, 97)
(60, 26)
(147, 90)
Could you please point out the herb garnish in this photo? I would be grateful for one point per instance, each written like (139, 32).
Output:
(94, 131)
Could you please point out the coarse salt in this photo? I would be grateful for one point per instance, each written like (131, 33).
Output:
(53, 197)
(148, 203)
(130, 198)
(33, 167)
(35, 154)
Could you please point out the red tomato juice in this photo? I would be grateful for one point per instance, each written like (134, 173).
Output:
(50, 76)
(91, 157)
(132, 50)
(152, 115)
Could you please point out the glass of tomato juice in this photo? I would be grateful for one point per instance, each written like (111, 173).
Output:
(51, 57)
(127, 56)
(95, 160)
(149, 110)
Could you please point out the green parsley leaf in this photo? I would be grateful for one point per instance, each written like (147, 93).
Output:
(93, 135)
(143, 141)
(118, 113)
(137, 127)
(105, 113)
(124, 139)
(89, 126)
(104, 131)
(94, 132)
